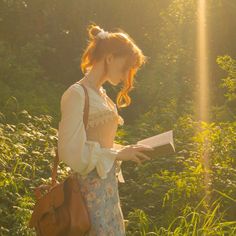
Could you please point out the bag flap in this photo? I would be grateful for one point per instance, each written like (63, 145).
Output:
(53, 198)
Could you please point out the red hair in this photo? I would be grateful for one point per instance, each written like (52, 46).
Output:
(120, 44)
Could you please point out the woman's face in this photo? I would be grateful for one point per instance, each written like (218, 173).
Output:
(117, 70)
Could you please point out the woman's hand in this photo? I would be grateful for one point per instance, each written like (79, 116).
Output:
(133, 153)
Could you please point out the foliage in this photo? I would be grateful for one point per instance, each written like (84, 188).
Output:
(27, 150)
(201, 173)
(180, 198)
(191, 192)
(225, 110)
(23, 83)
(190, 222)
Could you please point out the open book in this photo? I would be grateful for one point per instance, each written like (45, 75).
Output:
(163, 144)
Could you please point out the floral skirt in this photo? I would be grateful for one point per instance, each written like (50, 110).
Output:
(102, 199)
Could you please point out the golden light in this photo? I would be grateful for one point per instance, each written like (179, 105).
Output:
(202, 70)
(202, 97)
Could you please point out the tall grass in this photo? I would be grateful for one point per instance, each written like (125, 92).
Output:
(199, 220)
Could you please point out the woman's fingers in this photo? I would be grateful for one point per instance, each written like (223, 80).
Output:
(142, 155)
(139, 157)
(144, 147)
(136, 159)
(134, 153)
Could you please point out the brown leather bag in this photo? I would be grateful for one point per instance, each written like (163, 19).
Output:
(62, 210)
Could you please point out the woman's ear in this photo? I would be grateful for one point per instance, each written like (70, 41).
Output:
(108, 58)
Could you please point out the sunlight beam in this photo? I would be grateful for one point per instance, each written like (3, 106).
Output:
(203, 90)
(202, 49)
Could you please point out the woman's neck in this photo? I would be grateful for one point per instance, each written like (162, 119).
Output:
(94, 77)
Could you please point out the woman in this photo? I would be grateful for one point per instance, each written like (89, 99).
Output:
(91, 151)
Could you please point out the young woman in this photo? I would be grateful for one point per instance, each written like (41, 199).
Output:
(91, 151)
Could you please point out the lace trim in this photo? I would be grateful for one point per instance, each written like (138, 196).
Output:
(102, 117)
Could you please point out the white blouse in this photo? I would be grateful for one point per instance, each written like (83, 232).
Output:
(85, 149)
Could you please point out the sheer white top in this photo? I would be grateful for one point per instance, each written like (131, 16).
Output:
(85, 149)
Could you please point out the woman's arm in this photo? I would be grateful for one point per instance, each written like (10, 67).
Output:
(117, 146)
(74, 149)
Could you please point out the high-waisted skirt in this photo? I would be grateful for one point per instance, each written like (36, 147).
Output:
(103, 202)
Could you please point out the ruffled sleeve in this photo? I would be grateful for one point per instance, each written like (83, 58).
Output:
(80, 154)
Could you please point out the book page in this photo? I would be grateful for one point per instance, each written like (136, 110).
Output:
(158, 140)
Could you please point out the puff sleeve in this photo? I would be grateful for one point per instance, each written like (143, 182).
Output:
(80, 154)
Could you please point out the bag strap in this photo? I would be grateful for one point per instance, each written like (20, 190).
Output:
(85, 120)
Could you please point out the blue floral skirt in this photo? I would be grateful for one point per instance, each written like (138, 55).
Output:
(103, 202)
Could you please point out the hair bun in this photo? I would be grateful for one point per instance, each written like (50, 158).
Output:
(93, 30)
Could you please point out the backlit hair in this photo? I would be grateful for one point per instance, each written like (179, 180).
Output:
(120, 44)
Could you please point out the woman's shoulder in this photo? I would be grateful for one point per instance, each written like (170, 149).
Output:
(73, 94)
(75, 88)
